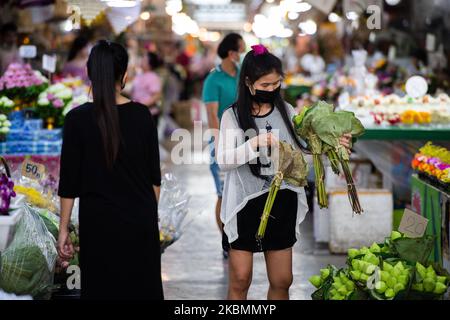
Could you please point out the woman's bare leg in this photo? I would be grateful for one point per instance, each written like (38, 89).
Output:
(279, 272)
(240, 274)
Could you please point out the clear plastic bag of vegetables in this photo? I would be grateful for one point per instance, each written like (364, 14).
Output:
(28, 263)
(173, 208)
(38, 192)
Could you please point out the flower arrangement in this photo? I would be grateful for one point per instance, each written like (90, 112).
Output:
(6, 190)
(37, 198)
(52, 103)
(6, 105)
(22, 84)
(4, 126)
(433, 161)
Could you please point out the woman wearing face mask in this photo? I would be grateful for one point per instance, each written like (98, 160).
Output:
(259, 107)
(219, 92)
(110, 160)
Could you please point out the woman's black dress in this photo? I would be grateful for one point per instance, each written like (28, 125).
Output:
(119, 237)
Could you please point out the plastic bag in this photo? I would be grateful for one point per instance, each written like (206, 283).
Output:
(27, 265)
(11, 296)
(172, 210)
(40, 193)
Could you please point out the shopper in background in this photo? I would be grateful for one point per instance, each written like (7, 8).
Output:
(312, 62)
(9, 51)
(147, 85)
(219, 92)
(110, 160)
(75, 65)
(259, 105)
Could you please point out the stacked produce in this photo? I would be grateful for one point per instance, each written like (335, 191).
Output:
(322, 127)
(6, 105)
(428, 281)
(5, 126)
(395, 269)
(6, 188)
(394, 110)
(433, 162)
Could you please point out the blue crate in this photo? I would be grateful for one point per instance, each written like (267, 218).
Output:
(36, 135)
(33, 147)
(32, 124)
(3, 149)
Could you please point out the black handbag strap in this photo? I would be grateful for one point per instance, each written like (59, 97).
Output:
(5, 165)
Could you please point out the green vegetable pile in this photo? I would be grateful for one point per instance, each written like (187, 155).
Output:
(396, 269)
(322, 127)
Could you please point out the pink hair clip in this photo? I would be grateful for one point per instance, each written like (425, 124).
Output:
(259, 49)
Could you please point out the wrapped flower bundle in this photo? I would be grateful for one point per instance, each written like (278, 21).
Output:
(6, 188)
(5, 125)
(322, 127)
(293, 169)
(433, 161)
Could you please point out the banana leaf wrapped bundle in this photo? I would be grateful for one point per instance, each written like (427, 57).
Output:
(322, 127)
(303, 124)
(293, 169)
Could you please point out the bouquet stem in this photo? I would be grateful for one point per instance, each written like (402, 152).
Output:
(319, 172)
(334, 161)
(274, 187)
(352, 193)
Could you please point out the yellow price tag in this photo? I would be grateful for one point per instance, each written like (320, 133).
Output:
(33, 170)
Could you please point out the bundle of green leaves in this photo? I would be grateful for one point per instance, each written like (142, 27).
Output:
(322, 127)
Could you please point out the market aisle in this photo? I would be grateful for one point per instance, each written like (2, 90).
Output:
(193, 267)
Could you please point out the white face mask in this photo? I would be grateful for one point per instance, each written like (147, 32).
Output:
(239, 62)
(241, 57)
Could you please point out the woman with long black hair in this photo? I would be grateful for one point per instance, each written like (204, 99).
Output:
(110, 160)
(256, 122)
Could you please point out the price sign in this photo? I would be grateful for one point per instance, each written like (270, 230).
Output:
(49, 63)
(33, 170)
(27, 52)
(413, 225)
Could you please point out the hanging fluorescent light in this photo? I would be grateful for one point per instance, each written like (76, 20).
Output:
(173, 7)
(393, 2)
(352, 15)
(285, 33)
(300, 7)
(145, 15)
(308, 27)
(334, 17)
(293, 15)
(120, 3)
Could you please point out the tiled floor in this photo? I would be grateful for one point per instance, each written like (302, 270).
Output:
(193, 267)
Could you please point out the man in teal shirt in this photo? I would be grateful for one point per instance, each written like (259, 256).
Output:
(219, 92)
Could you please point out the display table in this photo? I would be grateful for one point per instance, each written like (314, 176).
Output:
(51, 162)
(433, 204)
(407, 133)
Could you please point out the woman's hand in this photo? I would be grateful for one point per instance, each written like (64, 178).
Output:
(65, 247)
(264, 140)
(345, 141)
